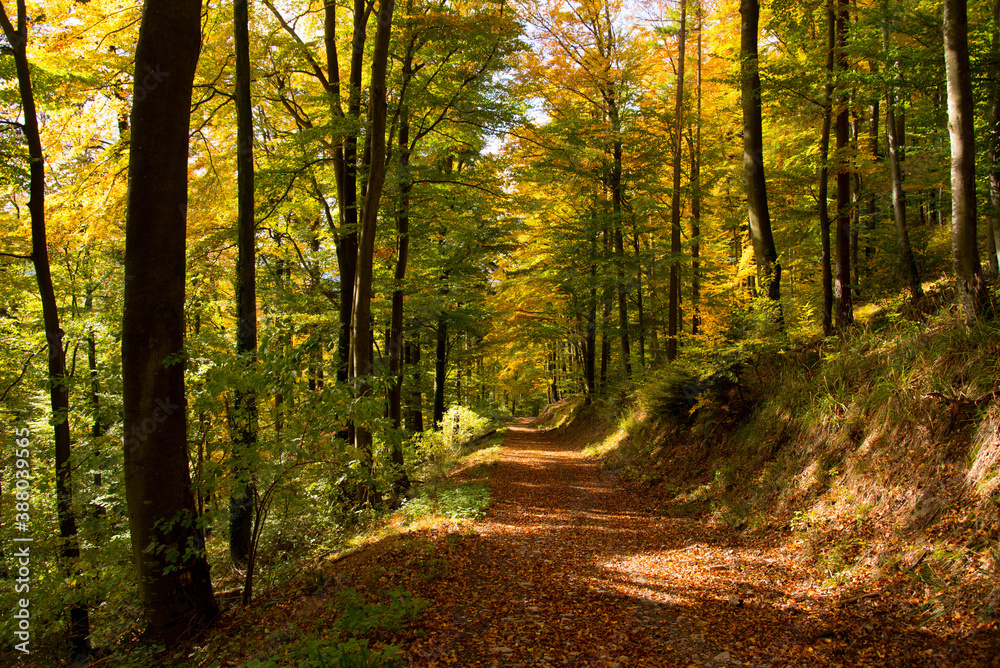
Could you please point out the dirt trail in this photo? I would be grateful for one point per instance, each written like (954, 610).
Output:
(569, 568)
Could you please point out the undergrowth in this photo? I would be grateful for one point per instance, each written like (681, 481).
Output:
(876, 450)
(346, 642)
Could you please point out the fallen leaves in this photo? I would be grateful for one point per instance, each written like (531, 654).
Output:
(570, 569)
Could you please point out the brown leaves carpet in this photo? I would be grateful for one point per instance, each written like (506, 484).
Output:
(571, 569)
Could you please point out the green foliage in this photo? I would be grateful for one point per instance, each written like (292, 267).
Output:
(440, 448)
(346, 645)
(468, 501)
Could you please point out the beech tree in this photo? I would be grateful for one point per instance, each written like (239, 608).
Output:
(173, 576)
(673, 324)
(245, 404)
(768, 267)
(843, 304)
(972, 293)
(17, 39)
(361, 334)
(896, 173)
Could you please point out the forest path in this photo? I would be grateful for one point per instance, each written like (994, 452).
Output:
(571, 569)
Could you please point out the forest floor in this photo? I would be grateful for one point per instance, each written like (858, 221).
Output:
(571, 568)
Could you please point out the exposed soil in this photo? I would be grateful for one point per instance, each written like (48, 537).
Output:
(569, 568)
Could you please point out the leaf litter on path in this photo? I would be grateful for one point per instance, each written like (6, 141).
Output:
(569, 568)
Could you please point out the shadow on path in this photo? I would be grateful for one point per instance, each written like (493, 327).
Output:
(568, 568)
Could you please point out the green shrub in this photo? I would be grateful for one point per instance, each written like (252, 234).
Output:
(440, 448)
(346, 646)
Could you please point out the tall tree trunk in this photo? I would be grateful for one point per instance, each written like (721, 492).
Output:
(824, 172)
(590, 339)
(898, 194)
(640, 313)
(97, 424)
(245, 401)
(673, 313)
(176, 592)
(768, 267)
(855, 206)
(873, 147)
(416, 412)
(605, 327)
(965, 251)
(440, 369)
(346, 168)
(993, 135)
(17, 38)
(361, 337)
(402, 256)
(843, 306)
(617, 197)
(696, 195)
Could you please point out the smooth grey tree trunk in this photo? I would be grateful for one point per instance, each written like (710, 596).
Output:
(965, 251)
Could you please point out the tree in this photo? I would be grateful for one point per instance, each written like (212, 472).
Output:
(173, 576)
(993, 145)
(824, 172)
(675, 200)
(898, 194)
(696, 188)
(972, 292)
(245, 403)
(17, 38)
(843, 305)
(768, 267)
(361, 337)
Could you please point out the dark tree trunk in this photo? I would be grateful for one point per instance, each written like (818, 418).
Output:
(696, 197)
(605, 325)
(824, 173)
(361, 337)
(873, 147)
(843, 308)
(97, 424)
(440, 369)
(554, 373)
(768, 268)
(993, 135)
(965, 251)
(402, 256)
(346, 169)
(640, 313)
(617, 197)
(178, 601)
(673, 316)
(245, 401)
(855, 210)
(590, 339)
(17, 38)
(416, 411)
(898, 194)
